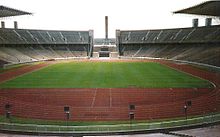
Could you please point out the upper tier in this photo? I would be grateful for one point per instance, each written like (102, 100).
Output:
(26, 36)
(178, 35)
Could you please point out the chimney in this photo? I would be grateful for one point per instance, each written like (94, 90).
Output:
(208, 22)
(15, 25)
(2, 24)
(106, 27)
(195, 22)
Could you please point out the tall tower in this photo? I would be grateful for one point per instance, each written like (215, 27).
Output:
(106, 27)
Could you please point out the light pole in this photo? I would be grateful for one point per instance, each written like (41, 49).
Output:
(186, 106)
(185, 110)
(7, 111)
(67, 117)
(131, 113)
(67, 113)
(131, 117)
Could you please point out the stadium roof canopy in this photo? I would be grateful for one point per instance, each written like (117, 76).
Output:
(208, 8)
(8, 12)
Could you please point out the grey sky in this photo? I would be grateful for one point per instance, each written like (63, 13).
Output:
(89, 14)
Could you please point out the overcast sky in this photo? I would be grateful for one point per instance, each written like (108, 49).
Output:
(89, 14)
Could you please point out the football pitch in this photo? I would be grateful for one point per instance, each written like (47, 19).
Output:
(106, 75)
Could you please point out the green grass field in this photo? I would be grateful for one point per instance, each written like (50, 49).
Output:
(106, 75)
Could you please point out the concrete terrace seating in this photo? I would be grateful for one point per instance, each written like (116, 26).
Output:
(207, 54)
(8, 58)
(2, 63)
(102, 41)
(199, 44)
(25, 36)
(6, 37)
(182, 35)
(13, 53)
(24, 45)
(29, 51)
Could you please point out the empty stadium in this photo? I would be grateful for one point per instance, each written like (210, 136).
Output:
(68, 82)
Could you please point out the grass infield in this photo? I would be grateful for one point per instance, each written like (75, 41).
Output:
(106, 75)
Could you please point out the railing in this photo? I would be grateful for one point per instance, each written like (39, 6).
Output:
(111, 128)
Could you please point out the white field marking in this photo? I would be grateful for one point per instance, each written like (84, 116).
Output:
(93, 100)
(110, 97)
